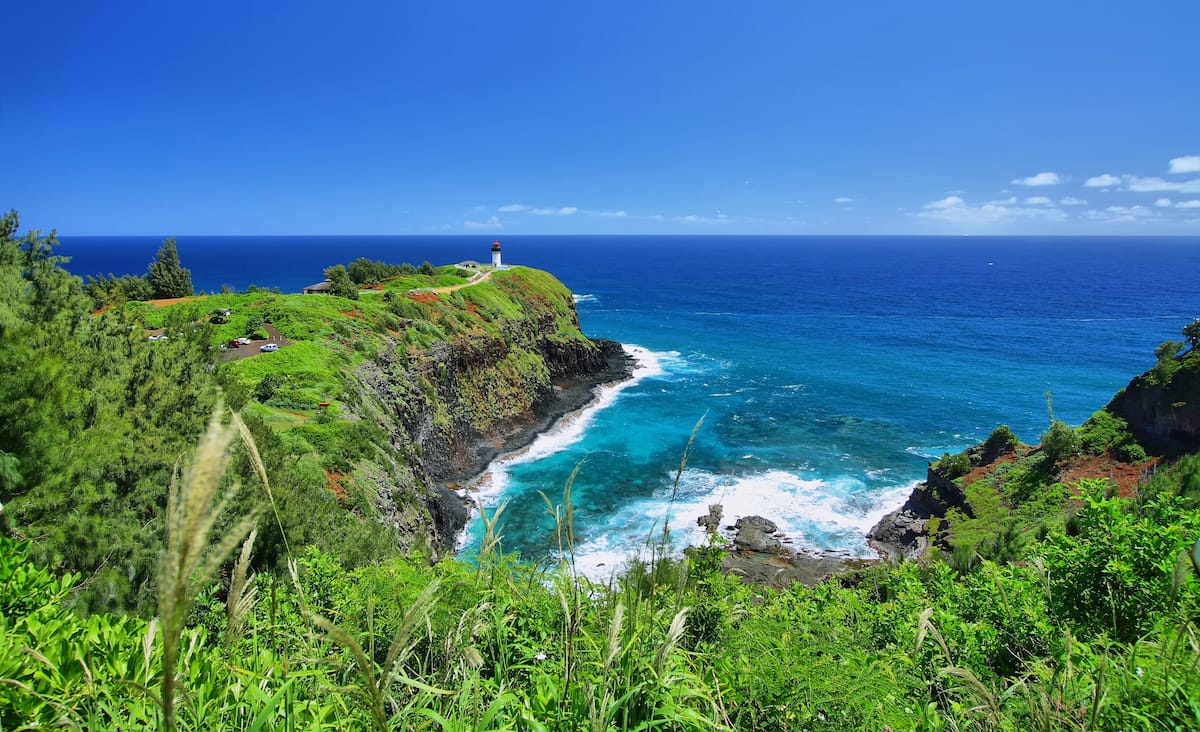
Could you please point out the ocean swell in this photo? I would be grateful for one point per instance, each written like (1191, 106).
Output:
(489, 488)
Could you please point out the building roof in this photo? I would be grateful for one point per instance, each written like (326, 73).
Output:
(319, 287)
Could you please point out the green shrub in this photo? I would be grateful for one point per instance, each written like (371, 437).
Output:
(1059, 442)
(1131, 452)
(1001, 440)
(954, 466)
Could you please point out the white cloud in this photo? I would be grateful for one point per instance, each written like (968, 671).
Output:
(564, 211)
(513, 208)
(1105, 180)
(954, 209)
(720, 218)
(1041, 179)
(1131, 210)
(1153, 185)
(1072, 201)
(491, 223)
(1163, 202)
(1010, 201)
(1185, 164)
(1188, 204)
(843, 199)
(1038, 201)
(948, 202)
(1121, 214)
(613, 214)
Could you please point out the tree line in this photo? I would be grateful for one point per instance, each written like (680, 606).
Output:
(164, 278)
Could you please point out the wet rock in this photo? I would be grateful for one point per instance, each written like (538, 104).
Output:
(712, 520)
(756, 534)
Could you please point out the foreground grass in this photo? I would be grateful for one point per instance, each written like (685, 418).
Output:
(1092, 630)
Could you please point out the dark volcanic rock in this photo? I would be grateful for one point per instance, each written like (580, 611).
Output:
(452, 408)
(758, 557)
(901, 533)
(712, 520)
(755, 534)
(1163, 418)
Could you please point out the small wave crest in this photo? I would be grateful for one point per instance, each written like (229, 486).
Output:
(571, 427)
(814, 513)
(583, 297)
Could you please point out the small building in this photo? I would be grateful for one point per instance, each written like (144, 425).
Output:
(321, 288)
(496, 255)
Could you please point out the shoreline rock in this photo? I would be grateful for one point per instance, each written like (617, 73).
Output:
(758, 554)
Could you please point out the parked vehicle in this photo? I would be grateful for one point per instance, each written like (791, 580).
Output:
(269, 347)
(244, 341)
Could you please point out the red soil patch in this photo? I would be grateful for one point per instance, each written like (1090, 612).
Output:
(472, 309)
(333, 481)
(1123, 475)
(423, 297)
(172, 300)
(355, 313)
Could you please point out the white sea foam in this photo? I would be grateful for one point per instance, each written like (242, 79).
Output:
(585, 297)
(569, 429)
(814, 513)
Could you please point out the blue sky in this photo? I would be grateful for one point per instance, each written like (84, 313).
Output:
(563, 117)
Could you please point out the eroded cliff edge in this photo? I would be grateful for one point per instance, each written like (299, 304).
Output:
(449, 407)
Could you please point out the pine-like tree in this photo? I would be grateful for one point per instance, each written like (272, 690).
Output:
(340, 283)
(167, 277)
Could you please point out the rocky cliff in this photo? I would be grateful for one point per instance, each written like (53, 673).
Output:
(451, 407)
(902, 533)
(1164, 416)
(1162, 412)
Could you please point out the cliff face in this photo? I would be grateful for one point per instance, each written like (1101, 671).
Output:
(450, 408)
(1164, 417)
(902, 533)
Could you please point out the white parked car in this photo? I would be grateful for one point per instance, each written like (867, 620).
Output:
(269, 347)
(244, 341)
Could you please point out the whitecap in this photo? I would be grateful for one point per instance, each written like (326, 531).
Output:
(833, 514)
(583, 297)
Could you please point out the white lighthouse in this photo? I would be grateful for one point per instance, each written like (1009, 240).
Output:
(496, 255)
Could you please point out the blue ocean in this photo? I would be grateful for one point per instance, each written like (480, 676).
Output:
(827, 370)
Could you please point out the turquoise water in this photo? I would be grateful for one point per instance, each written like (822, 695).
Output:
(828, 371)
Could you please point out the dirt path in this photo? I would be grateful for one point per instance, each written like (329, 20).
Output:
(452, 288)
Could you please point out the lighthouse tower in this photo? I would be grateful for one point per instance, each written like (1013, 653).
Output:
(496, 255)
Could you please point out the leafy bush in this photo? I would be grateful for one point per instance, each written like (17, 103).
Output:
(954, 466)
(1131, 452)
(1165, 365)
(1001, 440)
(1059, 442)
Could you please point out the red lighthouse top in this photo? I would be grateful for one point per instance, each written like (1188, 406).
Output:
(495, 246)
